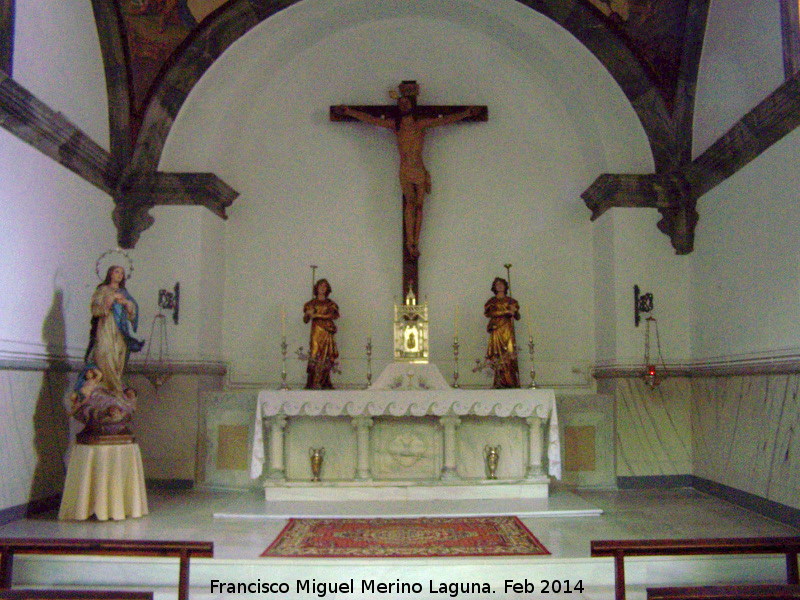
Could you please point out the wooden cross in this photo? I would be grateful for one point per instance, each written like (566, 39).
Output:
(414, 179)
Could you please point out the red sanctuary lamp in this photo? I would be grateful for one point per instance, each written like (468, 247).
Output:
(643, 303)
(652, 376)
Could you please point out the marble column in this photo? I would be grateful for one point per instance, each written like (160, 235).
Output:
(449, 424)
(276, 466)
(362, 425)
(535, 447)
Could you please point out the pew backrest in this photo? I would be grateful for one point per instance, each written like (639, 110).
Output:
(183, 550)
(41, 594)
(619, 549)
(726, 592)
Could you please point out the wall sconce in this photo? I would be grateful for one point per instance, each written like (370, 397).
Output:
(642, 303)
(160, 371)
(171, 301)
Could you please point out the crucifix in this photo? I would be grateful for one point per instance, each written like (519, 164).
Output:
(409, 121)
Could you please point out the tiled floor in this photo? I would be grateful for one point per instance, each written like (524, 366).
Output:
(241, 525)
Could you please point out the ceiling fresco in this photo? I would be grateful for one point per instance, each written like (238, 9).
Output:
(654, 31)
(154, 29)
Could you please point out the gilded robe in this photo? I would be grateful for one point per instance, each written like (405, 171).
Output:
(322, 352)
(502, 349)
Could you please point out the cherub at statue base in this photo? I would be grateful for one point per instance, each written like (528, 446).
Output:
(106, 416)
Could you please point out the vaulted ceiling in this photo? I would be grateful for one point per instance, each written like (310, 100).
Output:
(154, 51)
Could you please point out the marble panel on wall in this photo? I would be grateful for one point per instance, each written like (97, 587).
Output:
(167, 424)
(653, 428)
(226, 432)
(745, 430)
(586, 425)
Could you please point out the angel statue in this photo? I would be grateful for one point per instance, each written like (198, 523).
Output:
(502, 310)
(322, 354)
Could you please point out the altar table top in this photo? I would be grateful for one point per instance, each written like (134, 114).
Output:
(106, 480)
(521, 402)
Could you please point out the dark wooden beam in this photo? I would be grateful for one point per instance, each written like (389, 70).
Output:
(185, 189)
(7, 13)
(767, 123)
(670, 193)
(22, 114)
(110, 32)
(676, 194)
(686, 85)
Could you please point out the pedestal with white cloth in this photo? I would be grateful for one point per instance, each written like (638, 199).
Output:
(104, 480)
(409, 436)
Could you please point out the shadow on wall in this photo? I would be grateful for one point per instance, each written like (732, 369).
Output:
(50, 420)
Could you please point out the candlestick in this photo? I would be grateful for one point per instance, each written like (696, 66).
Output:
(284, 346)
(455, 362)
(369, 361)
(533, 371)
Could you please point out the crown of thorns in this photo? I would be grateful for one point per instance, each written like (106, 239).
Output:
(408, 89)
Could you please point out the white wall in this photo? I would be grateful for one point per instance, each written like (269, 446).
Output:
(316, 192)
(57, 58)
(641, 255)
(742, 63)
(745, 276)
(54, 225)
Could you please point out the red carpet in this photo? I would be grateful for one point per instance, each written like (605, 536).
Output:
(405, 538)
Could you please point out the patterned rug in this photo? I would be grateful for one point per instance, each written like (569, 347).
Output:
(405, 538)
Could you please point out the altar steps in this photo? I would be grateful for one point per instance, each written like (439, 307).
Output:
(560, 504)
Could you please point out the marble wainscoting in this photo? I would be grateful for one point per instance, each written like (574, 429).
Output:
(653, 428)
(747, 434)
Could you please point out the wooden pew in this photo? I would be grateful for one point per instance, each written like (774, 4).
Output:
(19, 594)
(184, 550)
(619, 549)
(726, 592)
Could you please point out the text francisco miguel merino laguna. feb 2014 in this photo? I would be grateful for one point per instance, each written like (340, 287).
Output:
(452, 589)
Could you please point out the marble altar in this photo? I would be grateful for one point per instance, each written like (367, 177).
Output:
(410, 441)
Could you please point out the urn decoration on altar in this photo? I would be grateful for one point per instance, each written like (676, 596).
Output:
(316, 455)
(492, 456)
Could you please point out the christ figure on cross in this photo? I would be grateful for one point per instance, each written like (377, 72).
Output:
(409, 124)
